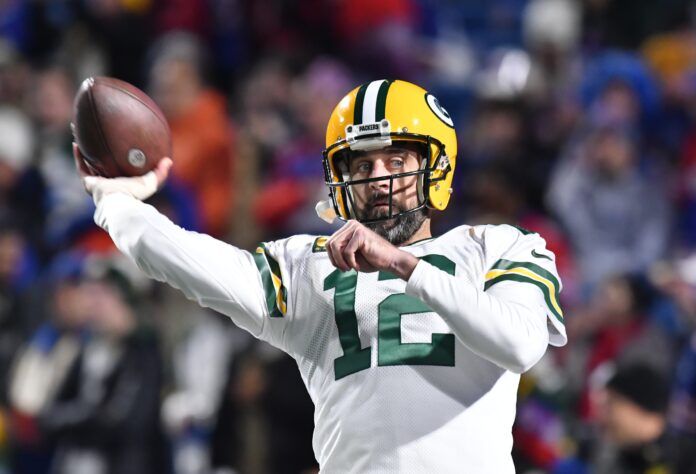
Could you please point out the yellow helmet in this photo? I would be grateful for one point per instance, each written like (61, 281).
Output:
(373, 116)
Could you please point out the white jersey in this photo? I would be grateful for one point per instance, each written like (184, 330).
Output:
(397, 387)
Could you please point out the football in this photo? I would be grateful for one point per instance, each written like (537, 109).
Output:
(119, 130)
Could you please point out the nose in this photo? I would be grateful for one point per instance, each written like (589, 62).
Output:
(379, 170)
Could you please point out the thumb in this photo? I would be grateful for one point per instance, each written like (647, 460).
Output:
(162, 170)
(90, 183)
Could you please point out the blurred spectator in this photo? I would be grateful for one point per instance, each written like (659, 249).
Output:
(552, 26)
(16, 146)
(69, 208)
(288, 28)
(266, 124)
(266, 415)
(616, 214)
(13, 23)
(17, 273)
(201, 130)
(295, 179)
(123, 30)
(105, 415)
(615, 329)
(685, 180)
(180, 15)
(381, 35)
(201, 362)
(266, 108)
(619, 90)
(677, 281)
(501, 137)
(44, 364)
(633, 422)
(21, 186)
(671, 56)
(627, 23)
(14, 75)
(498, 131)
(682, 411)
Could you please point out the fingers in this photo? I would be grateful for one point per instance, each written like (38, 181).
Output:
(162, 170)
(355, 247)
(90, 182)
(350, 251)
(336, 244)
(80, 164)
(337, 252)
(344, 248)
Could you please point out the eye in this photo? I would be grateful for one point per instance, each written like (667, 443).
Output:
(397, 163)
(363, 167)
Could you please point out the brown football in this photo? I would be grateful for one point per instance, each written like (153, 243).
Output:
(119, 130)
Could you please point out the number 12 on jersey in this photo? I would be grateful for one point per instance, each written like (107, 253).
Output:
(390, 349)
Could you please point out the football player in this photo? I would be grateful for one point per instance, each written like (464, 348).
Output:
(410, 345)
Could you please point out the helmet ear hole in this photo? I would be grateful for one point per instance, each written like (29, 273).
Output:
(341, 161)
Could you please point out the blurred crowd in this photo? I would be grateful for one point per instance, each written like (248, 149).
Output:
(576, 119)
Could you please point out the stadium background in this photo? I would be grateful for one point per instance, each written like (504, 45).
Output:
(575, 119)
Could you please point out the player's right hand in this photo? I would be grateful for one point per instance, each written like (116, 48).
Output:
(140, 187)
(355, 247)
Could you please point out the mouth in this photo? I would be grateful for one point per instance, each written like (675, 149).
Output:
(379, 207)
(381, 201)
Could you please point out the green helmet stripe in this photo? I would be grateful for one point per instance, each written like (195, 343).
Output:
(359, 99)
(382, 101)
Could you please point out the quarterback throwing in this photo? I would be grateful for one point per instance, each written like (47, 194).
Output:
(410, 345)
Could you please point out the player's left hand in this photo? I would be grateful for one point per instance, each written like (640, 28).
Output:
(356, 247)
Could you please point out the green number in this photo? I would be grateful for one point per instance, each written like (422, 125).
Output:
(391, 351)
(354, 358)
(394, 352)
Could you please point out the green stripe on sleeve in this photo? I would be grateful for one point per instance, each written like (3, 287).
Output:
(503, 264)
(524, 279)
(268, 266)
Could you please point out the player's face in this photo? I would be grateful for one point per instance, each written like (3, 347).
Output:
(372, 199)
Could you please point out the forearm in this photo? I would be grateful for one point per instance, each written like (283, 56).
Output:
(206, 270)
(509, 331)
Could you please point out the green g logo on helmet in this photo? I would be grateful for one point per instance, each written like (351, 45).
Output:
(438, 110)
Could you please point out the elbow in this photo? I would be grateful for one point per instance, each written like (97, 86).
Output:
(525, 356)
(520, 366)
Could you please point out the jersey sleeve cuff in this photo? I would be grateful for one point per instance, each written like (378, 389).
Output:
(426, 276)
(110, 207)
(416, 284)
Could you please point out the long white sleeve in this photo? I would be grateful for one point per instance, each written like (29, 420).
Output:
(506, 324)
(214, 274)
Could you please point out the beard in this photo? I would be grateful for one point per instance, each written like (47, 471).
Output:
(398, 229)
